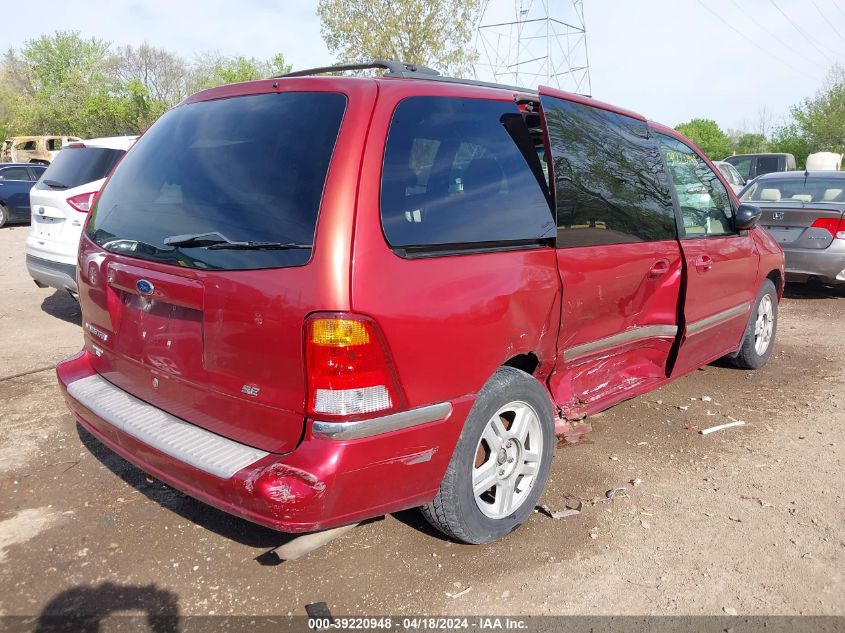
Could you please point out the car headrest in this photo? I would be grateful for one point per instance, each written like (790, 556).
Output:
(832, 195)
(803, 197)
(770, 195)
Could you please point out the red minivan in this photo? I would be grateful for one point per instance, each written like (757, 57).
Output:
(312, 300)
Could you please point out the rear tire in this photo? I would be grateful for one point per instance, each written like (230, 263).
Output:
(4, 216)
(759, 337)
(501, 462)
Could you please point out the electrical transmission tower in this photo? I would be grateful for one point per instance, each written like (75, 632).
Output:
(540, 42)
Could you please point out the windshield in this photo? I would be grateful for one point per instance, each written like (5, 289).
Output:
(251, 168)
(810, 189)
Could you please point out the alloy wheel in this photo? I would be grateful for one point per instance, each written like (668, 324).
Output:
(507, 460)
(764, 325)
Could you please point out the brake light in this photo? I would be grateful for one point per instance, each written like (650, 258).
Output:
(83, 202)
(833, 226)
(349, 368)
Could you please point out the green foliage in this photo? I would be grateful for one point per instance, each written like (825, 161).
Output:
(433, 33)
(66, 84)
(791, 139)
(820, 121)
(707, 134)
(751, 143)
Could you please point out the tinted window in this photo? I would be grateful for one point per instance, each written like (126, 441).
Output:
(37, 172)
(250, 168)
(800, 189)
(14, 173)
(704, 201)
(74, 166)
(610, 183)
(462, 172)
(768, 164)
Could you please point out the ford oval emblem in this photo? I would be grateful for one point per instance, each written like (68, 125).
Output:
(144, 287)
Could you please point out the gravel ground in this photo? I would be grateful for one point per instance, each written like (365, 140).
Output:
(749, 520)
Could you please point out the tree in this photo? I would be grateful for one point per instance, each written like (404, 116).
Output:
(820, 121)
(433, 33)
(214, 69)
(54, 77)
(750, 143)
(161, 73)
(707, 134)
(791, 139)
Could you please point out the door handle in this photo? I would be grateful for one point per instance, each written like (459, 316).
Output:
(660, 268)
(703, 263)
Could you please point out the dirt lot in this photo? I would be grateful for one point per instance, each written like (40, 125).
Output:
(750, 519)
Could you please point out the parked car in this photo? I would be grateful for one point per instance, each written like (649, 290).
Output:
(60, 202)
(307, 330)
(750, 166)
(735, 180)
(34, 149)
(804, 212)
(15, 182)
(824, 161)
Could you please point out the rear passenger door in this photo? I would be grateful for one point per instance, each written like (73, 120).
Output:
(618, 255)
(721, 263)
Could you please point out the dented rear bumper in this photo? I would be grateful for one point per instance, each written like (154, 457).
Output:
(328, 480)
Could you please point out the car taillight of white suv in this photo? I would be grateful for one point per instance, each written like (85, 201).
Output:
(60, 202)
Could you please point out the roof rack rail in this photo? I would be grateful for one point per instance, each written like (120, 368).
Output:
(394, 68)
(407, 71)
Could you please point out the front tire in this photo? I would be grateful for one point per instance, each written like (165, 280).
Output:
(759, 338)
(501, 462)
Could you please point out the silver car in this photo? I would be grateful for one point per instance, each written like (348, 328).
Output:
(804, 212)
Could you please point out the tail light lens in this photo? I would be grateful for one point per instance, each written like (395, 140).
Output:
(834, 226)
(350, 371)
(83, 201)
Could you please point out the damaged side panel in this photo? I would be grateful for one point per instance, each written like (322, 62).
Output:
(618, 323)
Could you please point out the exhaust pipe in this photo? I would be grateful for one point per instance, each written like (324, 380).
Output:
(307, 543)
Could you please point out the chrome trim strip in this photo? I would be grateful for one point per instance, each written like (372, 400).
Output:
(207, 451)
(725, 315)
(629, 336)
(384, 424)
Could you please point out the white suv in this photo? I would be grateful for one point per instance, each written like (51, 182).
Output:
(60, 201)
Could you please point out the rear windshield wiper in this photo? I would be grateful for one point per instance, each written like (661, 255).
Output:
(217, 241)
(55, 184)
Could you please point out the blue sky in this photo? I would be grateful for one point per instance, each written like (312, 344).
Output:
(670, 60)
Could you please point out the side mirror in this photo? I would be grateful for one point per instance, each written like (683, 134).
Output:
(747, 216)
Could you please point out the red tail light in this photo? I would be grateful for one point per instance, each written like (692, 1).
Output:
(350, 371)
(83, 202)
(833, 226)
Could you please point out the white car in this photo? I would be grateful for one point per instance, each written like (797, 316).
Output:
(60, 201)
(735, 180)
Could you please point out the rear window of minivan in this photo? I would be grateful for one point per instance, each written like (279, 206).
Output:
(75, 166)
(249, 168)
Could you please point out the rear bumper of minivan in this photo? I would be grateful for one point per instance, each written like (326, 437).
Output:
(333, 477)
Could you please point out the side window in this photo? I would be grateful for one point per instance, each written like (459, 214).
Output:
(14, 173)
(704, 201)
(610, 183)
(743, 166)
(26, 146)
(54, 144)
(37, 172)
(767, 164)
(457, 173)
